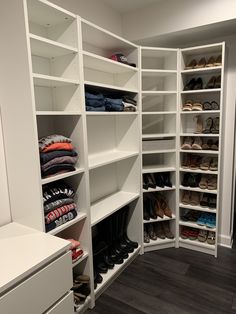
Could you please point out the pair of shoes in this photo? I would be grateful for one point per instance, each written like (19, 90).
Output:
(208, 200)
(189, 105)
(209, 163)
(206, 236)
(189, 233)
(156, 205)
(214, 82)
(191, 215)
(212, 125)
(208, 182)
(160, 230)
(191, 179)
(208, 220)
(81, 289)
(190, 198)
(202, 63)
(194, 84)
(190, 143)
(161, 180)
(213, 105)
(210, 145)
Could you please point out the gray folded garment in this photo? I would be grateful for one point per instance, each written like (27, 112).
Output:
(50, 139)
(58, 203)
(60, 160)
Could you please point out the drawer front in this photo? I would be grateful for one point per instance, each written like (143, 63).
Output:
(39, 292)
(64, 306)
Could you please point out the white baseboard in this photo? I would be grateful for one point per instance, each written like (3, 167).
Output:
(225, 241)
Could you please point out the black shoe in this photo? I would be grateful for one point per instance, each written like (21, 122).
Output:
(146, 215)
(190, 85)
(101, 267)
(198, 84)
(108, 262)
(152, 210)
(166, 178)
(185, 181)
(131, 243)
(150, 182)
(159, 180)
(97, 277)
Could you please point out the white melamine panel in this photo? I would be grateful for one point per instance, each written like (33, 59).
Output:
(158, 81)
(110, 134)
(154, 124)
(162, 59)
(159, 103)
(64, 99)
(164, 160)
(120, 176)
(65, 67)
(158, 145)
(51, 283)
(52, 22)
(69, 126)
(4, 196)
(30, 257)
(52, 81)
(65, 305)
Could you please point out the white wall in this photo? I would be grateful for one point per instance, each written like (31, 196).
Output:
(5, 216)
(172, 16)
(95, 11)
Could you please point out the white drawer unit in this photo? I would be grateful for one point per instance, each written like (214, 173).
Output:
(64, 306)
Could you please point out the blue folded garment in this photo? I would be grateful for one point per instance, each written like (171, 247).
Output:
(94, 96)
(91, 108)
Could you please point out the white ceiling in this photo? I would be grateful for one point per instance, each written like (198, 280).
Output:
(124, 6)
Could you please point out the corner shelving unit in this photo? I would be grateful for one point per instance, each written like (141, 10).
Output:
(187, 128)
(159, 123)
(113, 138)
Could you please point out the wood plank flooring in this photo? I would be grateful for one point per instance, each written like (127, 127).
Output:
(174, 281)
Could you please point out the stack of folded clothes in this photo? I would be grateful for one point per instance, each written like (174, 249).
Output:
(98, 102)
(76, 251)
(57, 155)
(59, 205)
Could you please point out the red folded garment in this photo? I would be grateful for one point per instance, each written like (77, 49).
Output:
(76, 254)
(58, 146)
(58, 212)
(74, 244)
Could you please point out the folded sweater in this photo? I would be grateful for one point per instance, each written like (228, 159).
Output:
(50, 139)
(58, 212)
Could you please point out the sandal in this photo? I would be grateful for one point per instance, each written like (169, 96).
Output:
(193, 234)
(197, 144)
(205, 163)
(187, 106)
(195, 162)
(207, 145)
(199, 124)
(208, 126)
(184, 234)
(187, 143)
(203, 184)
(212, 183)
(194, 199)
(215, 125)
(202, 236)
(214, 164)
(215, 105)
(186, 198)
(197, 106)
(186, 161)
(207, 105)
(211, 238)
(215, 146)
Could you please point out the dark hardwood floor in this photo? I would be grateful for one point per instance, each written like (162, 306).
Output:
(174, 281)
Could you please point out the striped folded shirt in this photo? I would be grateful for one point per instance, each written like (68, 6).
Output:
(58, 212)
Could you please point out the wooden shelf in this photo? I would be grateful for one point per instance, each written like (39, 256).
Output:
(108, 157)
(157, 73)
(111, 113)
(159, 241)
(110, 204)
(199, 135)
(203, 245)
(154, 92)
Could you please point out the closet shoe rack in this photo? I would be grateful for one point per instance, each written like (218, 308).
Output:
(67, 56)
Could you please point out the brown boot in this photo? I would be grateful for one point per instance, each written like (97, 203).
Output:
(166, 228)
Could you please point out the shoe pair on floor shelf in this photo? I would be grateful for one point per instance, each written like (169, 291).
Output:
(203, 63)
(190, 105)
(203, 181)
(212, 125)
(202, 219)
(155, 205)
(195, 84)
(81, 289)
(196, 199)
(195, 162)
(153, 180)
(200, 235)
(111, 245)
(161, 230)
(197, 143)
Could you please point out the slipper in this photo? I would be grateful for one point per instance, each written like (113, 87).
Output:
(205, 163)
(211, 238)
(187, 106)
(212, 183)
(215, 146)
(187, 144)
(202, 220)
(186, 198)
(194, 199)
(197, 106)
(203, 183)
(207, 145)
(197, 144)
(202, 236)
(214, 164)
(215, 105)
(195, 162)
(207, 105)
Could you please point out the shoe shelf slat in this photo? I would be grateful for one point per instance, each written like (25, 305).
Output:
(198, 171)
(199, 208)
(158, 189)
(204, 70)
(199, 151)
(159, 219)
(195, 225)
(186, 188)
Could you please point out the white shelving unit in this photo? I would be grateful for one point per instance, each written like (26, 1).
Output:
(159, 126)
(187, 128)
